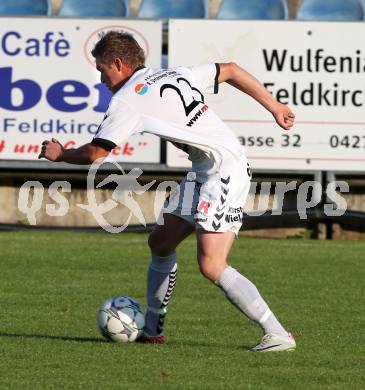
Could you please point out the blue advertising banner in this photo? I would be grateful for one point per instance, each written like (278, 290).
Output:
(49, 86)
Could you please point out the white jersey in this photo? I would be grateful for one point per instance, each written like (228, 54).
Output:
(170, 103)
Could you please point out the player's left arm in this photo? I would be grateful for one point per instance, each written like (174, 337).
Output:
(53, 151)
(239, 78)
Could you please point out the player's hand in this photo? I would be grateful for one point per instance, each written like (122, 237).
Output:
(284, 117)
(52, 150)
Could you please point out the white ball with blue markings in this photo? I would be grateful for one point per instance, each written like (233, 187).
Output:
(121, 319)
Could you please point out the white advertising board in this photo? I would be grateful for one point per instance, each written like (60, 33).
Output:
(49, 86)
(316, 68)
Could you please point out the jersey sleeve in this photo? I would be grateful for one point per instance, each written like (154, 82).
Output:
(206, 77)
(120, 122)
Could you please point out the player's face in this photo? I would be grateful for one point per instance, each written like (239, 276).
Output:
(110, 74)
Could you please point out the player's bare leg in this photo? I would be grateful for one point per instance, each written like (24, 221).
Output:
(213, 250)
(162, 273)
(164, 239)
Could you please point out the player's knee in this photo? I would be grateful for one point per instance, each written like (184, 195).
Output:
(159, 246)
(209, 268)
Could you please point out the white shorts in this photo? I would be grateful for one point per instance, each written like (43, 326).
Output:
(215, 205)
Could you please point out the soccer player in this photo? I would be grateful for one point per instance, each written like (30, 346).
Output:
(171, 104)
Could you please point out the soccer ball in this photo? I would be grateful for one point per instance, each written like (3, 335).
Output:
(121, 319)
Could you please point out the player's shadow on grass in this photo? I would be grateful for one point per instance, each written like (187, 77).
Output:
(48, 337)
(100, 340)
(209, 343)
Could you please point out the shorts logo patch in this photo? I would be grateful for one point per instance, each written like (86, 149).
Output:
(235, 214)
(141, 89)
(233, 218)
(204, 206)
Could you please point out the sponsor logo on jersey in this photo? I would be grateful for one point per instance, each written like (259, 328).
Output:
(141, 89)
(197, 115)
(161, 74)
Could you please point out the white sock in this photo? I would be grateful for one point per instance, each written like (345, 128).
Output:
(244, 295)
(161, 280)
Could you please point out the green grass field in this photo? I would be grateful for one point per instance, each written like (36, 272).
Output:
(51, 285)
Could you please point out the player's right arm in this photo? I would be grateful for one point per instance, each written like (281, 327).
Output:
(120, 121)
(53, 151)
(239, 78)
